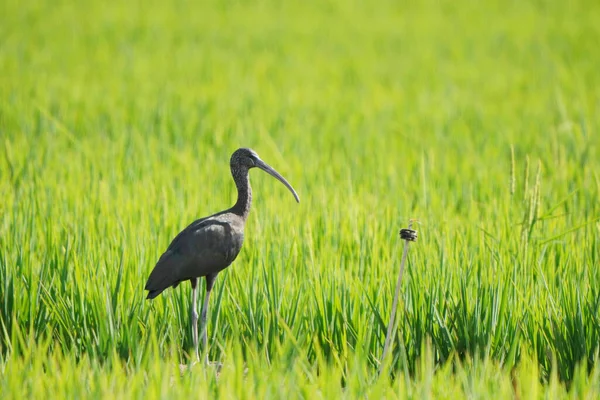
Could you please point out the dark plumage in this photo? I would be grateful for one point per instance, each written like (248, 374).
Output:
(210, 244)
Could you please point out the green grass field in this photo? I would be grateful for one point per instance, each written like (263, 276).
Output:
(480, 119)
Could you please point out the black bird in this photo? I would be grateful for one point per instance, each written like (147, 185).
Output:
(209, 245)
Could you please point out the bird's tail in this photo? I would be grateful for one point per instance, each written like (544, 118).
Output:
(153, 293)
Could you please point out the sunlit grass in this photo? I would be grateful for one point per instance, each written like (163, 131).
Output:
(117, 121)
(35, 374)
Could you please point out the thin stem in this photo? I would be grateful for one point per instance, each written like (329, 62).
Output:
(390, 330)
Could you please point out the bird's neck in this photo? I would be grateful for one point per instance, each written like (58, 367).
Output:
(244, 198)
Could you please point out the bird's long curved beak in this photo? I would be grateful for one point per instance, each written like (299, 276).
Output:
(267, 168)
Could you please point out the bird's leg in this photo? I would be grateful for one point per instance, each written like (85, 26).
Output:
(194, 315)
(210, 280)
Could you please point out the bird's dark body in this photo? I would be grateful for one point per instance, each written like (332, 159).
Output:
(207, 246)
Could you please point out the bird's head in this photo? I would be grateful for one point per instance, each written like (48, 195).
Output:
(245, 158)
